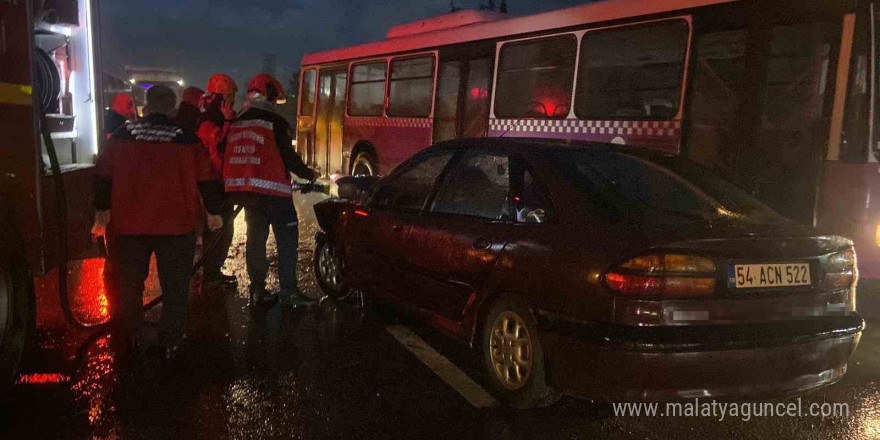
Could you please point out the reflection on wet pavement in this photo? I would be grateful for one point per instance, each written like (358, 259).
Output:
(334, 372)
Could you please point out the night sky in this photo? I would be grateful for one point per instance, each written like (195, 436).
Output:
(202, 37)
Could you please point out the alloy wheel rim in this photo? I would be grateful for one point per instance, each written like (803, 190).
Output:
(329, 266)
(510, 349)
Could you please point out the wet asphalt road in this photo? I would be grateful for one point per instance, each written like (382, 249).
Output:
(336, 372)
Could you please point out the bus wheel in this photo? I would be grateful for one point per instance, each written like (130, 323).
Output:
(14, 315)
(363, 165)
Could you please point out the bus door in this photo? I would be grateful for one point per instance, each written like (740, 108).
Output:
(328, 128)
(464, 79)
(760, 101)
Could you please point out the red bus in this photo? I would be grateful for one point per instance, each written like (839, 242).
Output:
(777, 96)
(51, 125)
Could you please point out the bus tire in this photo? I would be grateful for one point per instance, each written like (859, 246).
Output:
(15, 317)
(364, 164)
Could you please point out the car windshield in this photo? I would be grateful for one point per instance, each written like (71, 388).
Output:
(664, 188)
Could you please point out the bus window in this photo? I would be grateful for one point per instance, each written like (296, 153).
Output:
(307, 100)
(535, 78)
(411, 87)
(632, 72)
(367, 89)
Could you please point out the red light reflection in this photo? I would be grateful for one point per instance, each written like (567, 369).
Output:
(479, 93)
(42, 378)
(90, 294)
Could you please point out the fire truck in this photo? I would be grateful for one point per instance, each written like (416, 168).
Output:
(50, 132)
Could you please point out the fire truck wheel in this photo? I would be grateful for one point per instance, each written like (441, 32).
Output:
(363, 165)
(14, 322)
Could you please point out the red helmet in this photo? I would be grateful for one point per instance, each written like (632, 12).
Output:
(221, 84)
(267, 86)
(124, 105)
(192, 95)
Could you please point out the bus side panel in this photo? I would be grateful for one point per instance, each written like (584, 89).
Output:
(850, 206)
(661, 135)
(18, 155)
(395, 139)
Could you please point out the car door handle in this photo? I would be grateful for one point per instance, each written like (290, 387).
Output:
(482, 243)
(396, 228)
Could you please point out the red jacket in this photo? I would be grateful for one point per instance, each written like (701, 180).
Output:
(252, 161)
(212, 137)
(258, 158)
(150, 176)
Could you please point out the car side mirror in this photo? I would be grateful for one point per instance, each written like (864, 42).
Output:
(348, 191)
(354, 188)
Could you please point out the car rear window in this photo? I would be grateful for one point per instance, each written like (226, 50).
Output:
(664, 188)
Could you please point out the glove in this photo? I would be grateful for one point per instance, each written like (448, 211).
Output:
(99, 227)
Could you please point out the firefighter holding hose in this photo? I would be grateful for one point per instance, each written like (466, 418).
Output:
(258, 161)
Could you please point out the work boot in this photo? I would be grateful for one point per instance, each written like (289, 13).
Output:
(296, 299)
(261, 298)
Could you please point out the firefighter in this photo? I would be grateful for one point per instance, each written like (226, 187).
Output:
(212, 126)
(149, 177)
(189, 111)
(256, 172)
(121, 110)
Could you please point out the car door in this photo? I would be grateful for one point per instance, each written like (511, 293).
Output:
(454, 246)
(378, 232)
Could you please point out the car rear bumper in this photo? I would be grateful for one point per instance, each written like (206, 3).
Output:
(721, 361)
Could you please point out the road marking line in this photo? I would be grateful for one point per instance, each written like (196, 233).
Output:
(442, 367)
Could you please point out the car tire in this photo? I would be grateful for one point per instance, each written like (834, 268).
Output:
(327, 267)
(15, 316)
(513, 357)
(363, 165)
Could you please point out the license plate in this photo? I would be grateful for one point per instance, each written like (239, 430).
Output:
(750, 276)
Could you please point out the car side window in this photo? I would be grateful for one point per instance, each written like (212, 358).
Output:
(531, 204)
(478, 185)
(408, 190)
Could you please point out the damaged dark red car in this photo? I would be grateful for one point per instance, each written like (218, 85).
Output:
(597, 270)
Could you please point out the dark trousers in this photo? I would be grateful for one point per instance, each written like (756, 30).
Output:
(280, 213)
(217, 255)
(130, 256)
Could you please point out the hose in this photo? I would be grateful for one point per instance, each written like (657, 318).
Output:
(61, 216)
(47, 81)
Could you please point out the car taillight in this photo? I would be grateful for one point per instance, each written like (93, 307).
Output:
(664, 275)
(840, 270)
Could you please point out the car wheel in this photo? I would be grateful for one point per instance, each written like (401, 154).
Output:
(363, 165)
(327, 267)
(513, 356)
(14, 319)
